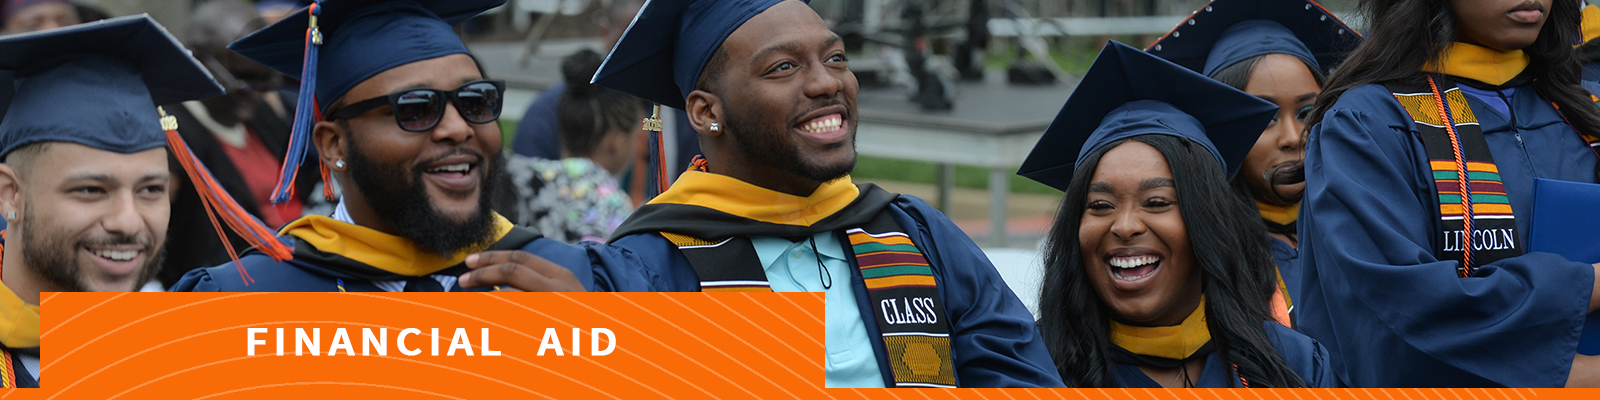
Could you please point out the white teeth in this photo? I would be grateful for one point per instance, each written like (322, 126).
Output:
(1133, 262)
(452, 168)
(828, 124)
(117, 255)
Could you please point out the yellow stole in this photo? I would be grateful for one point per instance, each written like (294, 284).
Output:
(1591, 23)
(733, 196)
(1172, 342)
(377, 249)
(19, 321)
(1480, 63)
(1278, 214)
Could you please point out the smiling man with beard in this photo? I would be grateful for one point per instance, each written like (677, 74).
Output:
(85, 185)
(404, 120)
(911, 301)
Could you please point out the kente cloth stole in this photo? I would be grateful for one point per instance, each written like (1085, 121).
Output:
(900, 285)
(1475, 215)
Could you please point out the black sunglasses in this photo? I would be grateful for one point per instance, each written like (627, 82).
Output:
(418, 110)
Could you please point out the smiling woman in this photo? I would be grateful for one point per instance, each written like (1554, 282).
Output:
(1154, 267)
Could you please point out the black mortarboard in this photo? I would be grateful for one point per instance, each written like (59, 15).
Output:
(1225, 32)
(1128, 93)
(660, 57)
(335, 44)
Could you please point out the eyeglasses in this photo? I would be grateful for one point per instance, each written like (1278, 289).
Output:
(419, 110)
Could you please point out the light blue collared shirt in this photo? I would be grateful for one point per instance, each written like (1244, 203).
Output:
(792, 267)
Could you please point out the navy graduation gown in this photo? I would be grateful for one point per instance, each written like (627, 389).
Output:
(1288, 260)
(1373, 290)
(993, 337)
(1305, 357)
(590, 262)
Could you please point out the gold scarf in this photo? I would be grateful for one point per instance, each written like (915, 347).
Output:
(1591, 23)
(377, 249)
(733, 196)
(1480, 63)
(19, 321)
(1278, 214)
(1171, 342)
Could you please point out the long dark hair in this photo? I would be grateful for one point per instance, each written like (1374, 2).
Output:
(1232, 258)
(1408, 34)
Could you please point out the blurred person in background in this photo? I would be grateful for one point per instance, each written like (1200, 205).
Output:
(273, 10)
(237, 135)
(538, 134)
(577, 197)
(37, 15)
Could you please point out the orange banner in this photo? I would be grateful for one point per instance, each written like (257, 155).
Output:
(500, 345)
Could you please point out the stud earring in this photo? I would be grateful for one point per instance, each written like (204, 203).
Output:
(10, 215)
(715, 127)
(338, 164)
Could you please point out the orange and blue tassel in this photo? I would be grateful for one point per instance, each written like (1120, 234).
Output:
(306, 114)
(219, 203)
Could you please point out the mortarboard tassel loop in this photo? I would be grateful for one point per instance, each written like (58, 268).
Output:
(219, 204)
(306, 113)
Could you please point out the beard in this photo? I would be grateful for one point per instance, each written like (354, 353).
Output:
(397, 195)
(53, 255)
(774, 146)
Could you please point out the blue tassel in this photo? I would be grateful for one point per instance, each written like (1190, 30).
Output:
(306, 112)
(655, 175)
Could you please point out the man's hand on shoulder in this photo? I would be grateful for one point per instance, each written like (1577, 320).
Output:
(518, 271)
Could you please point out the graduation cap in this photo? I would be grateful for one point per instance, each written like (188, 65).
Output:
(98, 84)
(333, 45)
(1225, 32)
(1128, 93)
(662, 53)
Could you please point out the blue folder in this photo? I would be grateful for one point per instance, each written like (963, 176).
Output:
(1566, 221)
